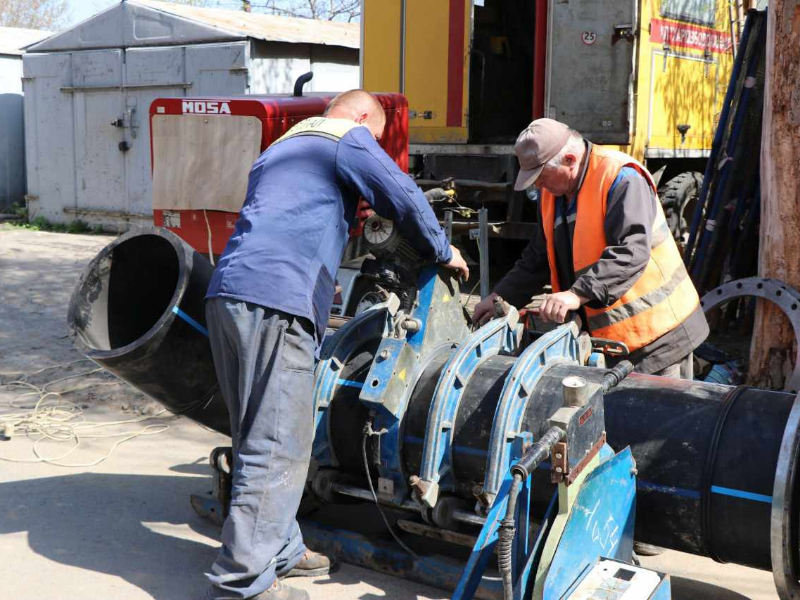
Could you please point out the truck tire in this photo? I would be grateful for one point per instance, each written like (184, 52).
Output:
(679, 198)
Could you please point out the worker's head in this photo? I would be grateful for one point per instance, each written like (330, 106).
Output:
(361, 107)
(549, 156)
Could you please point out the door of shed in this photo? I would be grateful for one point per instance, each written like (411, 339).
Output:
(49, 143)
(98, 105)
(88, 143)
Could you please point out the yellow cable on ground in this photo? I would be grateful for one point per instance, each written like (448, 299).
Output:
(52, 418)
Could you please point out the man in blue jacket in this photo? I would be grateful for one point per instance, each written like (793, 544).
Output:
(267, 308)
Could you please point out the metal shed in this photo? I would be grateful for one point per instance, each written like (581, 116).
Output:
(88, 90)
(12, 138)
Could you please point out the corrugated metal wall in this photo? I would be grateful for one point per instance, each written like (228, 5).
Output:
(88, 138)
(12, 136)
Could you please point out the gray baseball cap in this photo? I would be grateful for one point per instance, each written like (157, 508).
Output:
(539, 142)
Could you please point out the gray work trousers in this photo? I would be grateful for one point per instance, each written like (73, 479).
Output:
(264, 360)
(683, 369)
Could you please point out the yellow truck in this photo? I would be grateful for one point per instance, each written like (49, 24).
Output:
(643, 76)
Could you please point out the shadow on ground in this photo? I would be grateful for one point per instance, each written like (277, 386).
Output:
(139, 528)
(101, 522)
(688, 589)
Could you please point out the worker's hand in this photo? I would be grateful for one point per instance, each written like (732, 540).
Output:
(435, 195)
(457, 263)
(484, 310)
(554, 307)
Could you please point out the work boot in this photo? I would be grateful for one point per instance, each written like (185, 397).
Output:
(311, 565)
(281, 591)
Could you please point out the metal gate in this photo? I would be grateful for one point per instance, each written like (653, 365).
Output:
(96, 164)
(589, 85)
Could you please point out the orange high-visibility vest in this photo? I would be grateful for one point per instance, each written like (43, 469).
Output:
(661, 298)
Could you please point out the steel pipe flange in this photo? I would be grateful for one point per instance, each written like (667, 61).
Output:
(784, 521)
(777, 292)
(494, 337)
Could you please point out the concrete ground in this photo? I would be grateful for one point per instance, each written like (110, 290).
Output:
(123, 529)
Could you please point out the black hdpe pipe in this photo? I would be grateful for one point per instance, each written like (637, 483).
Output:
(138, 311)
(707, 460)
(716, 466)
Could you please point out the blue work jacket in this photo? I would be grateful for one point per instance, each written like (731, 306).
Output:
(302, 197)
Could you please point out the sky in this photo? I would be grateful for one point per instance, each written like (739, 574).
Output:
(83, 9)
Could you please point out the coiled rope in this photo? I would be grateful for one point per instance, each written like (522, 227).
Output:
(44, 415)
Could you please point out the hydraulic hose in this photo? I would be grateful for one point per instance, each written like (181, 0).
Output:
(616, 374)
(505, 539)
(522, 469)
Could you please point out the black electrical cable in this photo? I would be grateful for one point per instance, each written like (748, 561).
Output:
(367, 432)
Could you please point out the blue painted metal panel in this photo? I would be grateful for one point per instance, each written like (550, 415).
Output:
(426, 283)
(664, 589)
(381, 371)
(524, 580)
(600, 524)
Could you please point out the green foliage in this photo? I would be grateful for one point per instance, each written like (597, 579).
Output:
(42, 224)
(78, 226)
(20, 210)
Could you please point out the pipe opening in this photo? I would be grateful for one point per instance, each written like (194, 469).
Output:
(125, 293)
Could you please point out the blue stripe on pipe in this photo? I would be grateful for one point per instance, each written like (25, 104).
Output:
(350, 383)
(741, 494)
(667, 489)
(468, 450)
(190, 320)
(412, 439)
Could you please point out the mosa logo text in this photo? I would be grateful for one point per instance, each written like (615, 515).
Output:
(205, 108)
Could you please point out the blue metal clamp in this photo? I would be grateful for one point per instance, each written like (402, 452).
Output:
(372, 323)
(498, 335)
(557, 346)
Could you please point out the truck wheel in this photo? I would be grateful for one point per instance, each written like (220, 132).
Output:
(679, 199)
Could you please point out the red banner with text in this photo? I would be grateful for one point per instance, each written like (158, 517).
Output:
(682, 35)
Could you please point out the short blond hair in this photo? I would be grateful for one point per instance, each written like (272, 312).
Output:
(355, 103)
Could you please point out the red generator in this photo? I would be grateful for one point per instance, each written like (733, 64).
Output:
(202, 150)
